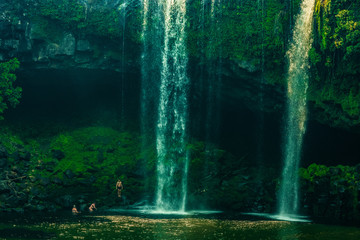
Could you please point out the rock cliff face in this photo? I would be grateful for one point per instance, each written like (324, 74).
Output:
(22, 40)
(40, 46)
(88, 38)
(45, 43)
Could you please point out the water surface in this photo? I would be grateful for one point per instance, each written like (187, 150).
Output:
(108, 225)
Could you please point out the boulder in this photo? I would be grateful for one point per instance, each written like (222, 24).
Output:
(69, 174)
(10, 44)
(3, 152)
(4, 187)
(57, 181)
(40, 207)
(57, 154)
(16, 156)
(35, 191)
(25, 155)
(67, 45)
(83, 46)
(3, 162)
(44, 181)
(65, 201)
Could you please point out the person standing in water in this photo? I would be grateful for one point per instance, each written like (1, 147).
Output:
(74, 210)
(119, 187)
(92, 207)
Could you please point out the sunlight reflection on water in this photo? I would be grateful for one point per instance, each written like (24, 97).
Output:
(113, 226)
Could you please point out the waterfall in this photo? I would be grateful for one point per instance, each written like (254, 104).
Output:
(297, 84)
(208, 84)
(123, 8)
(165, 87)
(260, 115)
(291, 12)
(215, 73)
(152, 36)
(212, 6)
(172, 162)
(200, 83)
(211, 79)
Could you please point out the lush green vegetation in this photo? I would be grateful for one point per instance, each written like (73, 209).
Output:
(248, 33)
(82, 165)
(96, 156)
(9, 94)
(336, 61)
(332, 191)
(252, 34)
(90, 20)
(244, 32)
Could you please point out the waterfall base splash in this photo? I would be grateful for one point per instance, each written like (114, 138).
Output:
(151, 210)
(287, 217)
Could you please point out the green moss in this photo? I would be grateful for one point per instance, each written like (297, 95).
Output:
(313, 172)
(82, 147)
(338, 184)
(242, 32)
(10, 141)
(351, 104)
(70, 12)
(334, 76)
(314, 56)
(9, 94)
(45, 29)
(96, 156)
(104, 23)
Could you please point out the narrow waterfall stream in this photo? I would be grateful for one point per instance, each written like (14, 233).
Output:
(123, 9)
(172, 160)
(297, 80)
(150, 72)
(165, 89)
(214, 75)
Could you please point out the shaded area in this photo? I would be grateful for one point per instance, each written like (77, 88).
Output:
(55, 99)
(330, 146)
(24, 233)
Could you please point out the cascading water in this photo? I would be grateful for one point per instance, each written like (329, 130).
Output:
(122, 8)
(296, 108)
(172, 156)
(291, 4)
(200, 84)
(212, 6)
(211, 84)
(165, 39)
(214, 71)
(211, 78)
(260, 116)
(208, 85)
(152, 35)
